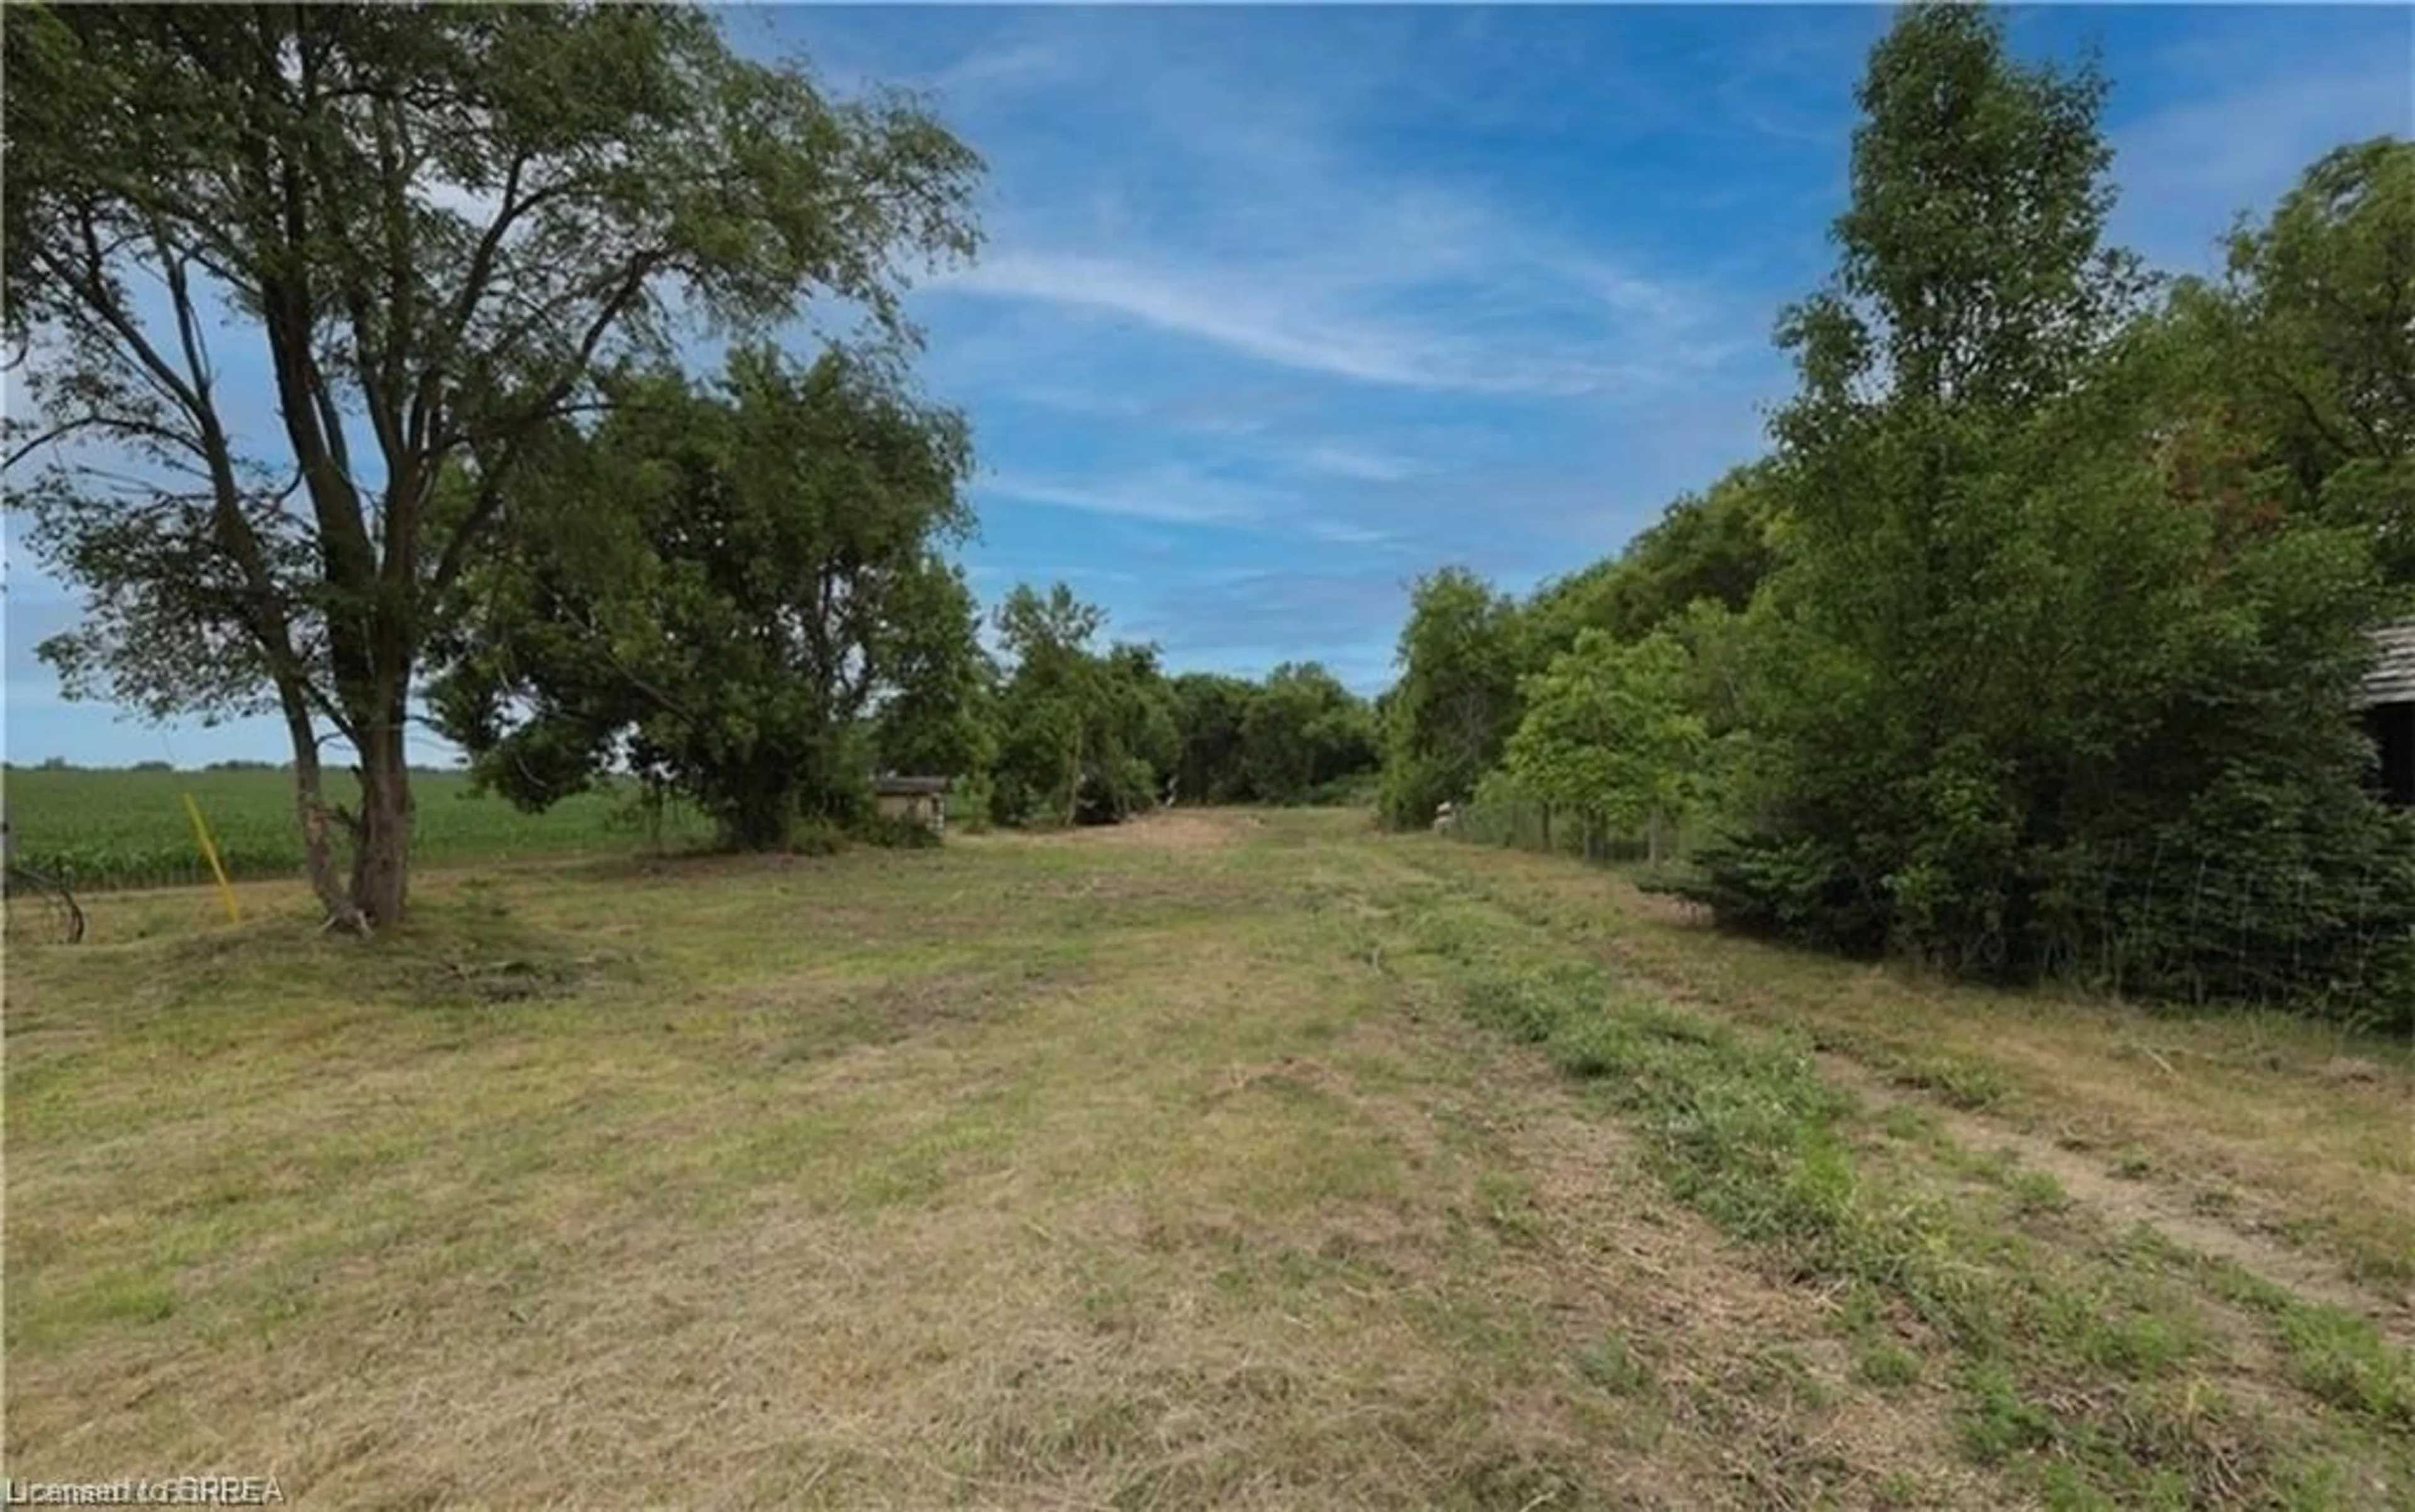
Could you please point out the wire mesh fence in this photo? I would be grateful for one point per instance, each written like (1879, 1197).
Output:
(1526, 825)
(2336, 940)
(2332, 937)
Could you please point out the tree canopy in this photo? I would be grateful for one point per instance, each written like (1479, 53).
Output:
(1457, 699)
(438, 228)
(1612, 734)
(719, 591)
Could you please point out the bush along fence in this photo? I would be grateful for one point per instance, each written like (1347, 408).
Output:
(1524, 824)
(2193, 926)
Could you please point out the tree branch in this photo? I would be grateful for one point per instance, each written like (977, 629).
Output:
(514, 435)
(97, 301)
(119, 423)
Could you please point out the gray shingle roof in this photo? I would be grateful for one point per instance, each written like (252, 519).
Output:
(888, 787)
(2393, 680)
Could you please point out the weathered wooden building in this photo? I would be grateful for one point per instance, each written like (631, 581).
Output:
(2389, 699)
(923, 800)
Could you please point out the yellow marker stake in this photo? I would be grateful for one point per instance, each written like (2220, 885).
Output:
(210, 854)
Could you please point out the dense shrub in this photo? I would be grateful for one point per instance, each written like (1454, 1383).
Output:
(2030, 652)
(894, 832)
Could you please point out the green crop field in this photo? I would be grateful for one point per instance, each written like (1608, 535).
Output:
(100, 827)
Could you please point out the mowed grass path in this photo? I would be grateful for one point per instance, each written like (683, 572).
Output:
(1219, 1161)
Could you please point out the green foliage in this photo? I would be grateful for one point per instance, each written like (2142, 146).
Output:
(969, 804)
(937, 715)
(1208, 711)
(1082, 735)
(718, 590)
(438, 228)
(2032, 650)
(895, 833)
(1610, 733)
(1452, 712)
(2034, 693)
(2261, 890)
(1470, 657)
(2308, 344)
(1713, 551)
(1300, 736)
(1301, 731)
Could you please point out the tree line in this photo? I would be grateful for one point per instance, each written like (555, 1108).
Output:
(2030, 648)
(762, 638)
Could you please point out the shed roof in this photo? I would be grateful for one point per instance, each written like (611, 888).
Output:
(2392, 679)
(905, 786)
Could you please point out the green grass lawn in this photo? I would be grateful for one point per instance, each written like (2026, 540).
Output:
(1216, 1160)
(128, 828)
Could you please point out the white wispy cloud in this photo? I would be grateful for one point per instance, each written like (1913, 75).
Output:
(1233, 210)
(1340, 533)
(1343, 459)
(1170, 495)
(2188, 170)
(1006, 69)
(1269, 313)
(1222, 310)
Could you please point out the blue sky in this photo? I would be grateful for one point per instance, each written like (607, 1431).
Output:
(1282, 306)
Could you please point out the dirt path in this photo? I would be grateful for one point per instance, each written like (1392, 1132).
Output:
(2123, 1202)
(2217, 1195)
(1170, 829)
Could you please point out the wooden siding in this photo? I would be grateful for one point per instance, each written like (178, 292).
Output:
(2393, 681)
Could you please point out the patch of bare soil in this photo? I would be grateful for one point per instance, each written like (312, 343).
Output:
(1168, 830)
(1668, 909)
(2123, 1199)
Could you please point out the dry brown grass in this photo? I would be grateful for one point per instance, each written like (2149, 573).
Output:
(1099, 1171)
(1176, 829)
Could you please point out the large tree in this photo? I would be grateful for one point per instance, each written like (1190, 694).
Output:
(723, 590)
(1080, 731)
(2304, 353)
(1612, 734)
(1971, 292)
(1457, 699)
(1210, 711)
(1046, 706)
(429, 228)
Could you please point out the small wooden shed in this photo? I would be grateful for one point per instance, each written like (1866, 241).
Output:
(2389, 700)
(923, 800)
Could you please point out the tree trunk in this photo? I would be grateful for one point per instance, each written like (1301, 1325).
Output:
(381, 834)
(1652, 838)
(1073, 784)
(1547, 829)
(762, 817)
(311, 807)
